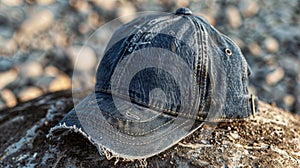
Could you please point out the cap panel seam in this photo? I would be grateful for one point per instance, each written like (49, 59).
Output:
(202, 65)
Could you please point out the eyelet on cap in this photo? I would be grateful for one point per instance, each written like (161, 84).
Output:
(228, 52)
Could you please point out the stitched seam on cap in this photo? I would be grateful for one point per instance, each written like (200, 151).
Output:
(141, 133)
(204, 68)
(151, 106)
(145, 142)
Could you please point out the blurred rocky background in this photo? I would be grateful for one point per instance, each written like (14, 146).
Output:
(39, 41)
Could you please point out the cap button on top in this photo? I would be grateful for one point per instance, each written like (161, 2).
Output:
(183, 11)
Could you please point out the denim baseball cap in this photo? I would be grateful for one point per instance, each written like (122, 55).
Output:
(162, 76)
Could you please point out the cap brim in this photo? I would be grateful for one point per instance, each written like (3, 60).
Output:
(99, 120)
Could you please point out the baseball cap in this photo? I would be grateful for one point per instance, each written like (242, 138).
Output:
(161, 78)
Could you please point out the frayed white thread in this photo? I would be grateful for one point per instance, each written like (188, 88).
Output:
(117, 160)
(143, 162)
(108, 154)
(101, 149)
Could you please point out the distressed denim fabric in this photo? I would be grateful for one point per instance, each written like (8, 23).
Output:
(160, 78)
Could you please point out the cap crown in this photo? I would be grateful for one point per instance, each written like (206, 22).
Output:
(151, 59)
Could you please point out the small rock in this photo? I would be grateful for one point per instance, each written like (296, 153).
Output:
(126, 12)
(234, 135)
(182, 3)
(203, 141)
(249, 8)
(45, 2)
(84, 58)
(84, 28)
(11, 46)
(255, 49)
(81, 6)
(8, 77)
(60, 39)
(108, 5)
(5, 64)
(9, 97)
(271, 44)
(61, 82)
(12, 2)
(32, 69)
(7, 46)
(51, 71)
(234, 17)
(38, 23)
(289, 100)
(275, 76)
(30, 93)
(94, 20)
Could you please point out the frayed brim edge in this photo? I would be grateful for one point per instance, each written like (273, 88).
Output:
(103, 151)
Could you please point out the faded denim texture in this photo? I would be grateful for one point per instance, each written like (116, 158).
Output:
(161, 77)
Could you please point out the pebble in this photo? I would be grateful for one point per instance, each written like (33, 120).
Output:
(84, 28)
(234, 135)
(61, 82)
(45, 2)
(234, 17)
(12, 2)
(289, 100)
(126, 12)
(94, 20)
(255, 49)
(9, 97)
(39, 22)
(31, 69)
(81, 6)
(183, 3)
(29, 93)
(60, 39)
(51, 71)
(107, 5)
(8, 77)
(275, 76)
(203, 141)
(271, 44)
(249, 8)
(8, 46)
(83, 58)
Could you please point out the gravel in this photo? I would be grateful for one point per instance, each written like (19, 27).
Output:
(38, 40)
